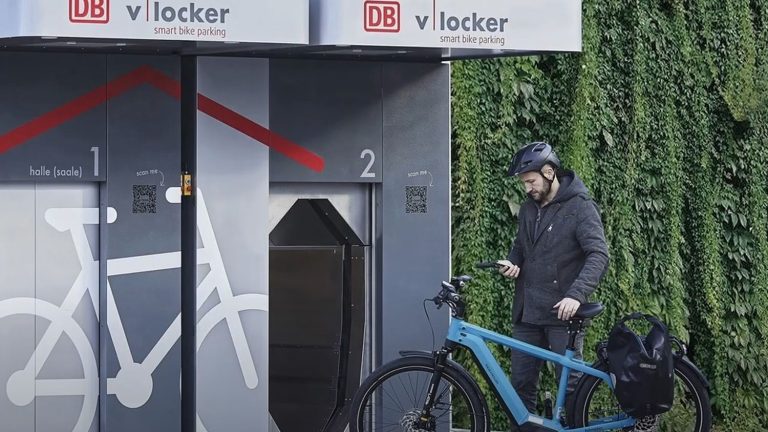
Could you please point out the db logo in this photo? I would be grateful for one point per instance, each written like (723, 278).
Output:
(89, 11)
(382, 16)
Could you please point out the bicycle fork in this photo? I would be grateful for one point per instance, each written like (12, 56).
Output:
(426, 421)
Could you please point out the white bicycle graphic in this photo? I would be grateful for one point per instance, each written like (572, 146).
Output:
(133, 383)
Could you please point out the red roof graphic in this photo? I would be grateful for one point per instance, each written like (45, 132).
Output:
(168, 85)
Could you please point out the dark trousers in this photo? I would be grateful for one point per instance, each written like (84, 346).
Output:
(526, 369)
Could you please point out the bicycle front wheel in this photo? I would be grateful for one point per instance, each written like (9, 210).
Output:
(691, 410)
(392, 398)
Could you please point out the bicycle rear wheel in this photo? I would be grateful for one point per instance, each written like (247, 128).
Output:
(691, 411)
(391, 399)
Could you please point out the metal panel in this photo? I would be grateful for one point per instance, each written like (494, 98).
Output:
(415, 213)
(233, 179)
(67, 247)
(48, 307)
(332, 109)
(56, 130)
(305, 330)
(17, 324)
(349, 199)
(143, 246)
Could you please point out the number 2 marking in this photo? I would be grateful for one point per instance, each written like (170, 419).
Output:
(367, 171)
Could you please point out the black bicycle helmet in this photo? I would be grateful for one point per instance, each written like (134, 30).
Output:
(533, 157)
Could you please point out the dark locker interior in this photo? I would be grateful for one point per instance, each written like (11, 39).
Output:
(317, 318)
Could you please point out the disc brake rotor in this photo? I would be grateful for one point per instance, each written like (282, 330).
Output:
(411, 420)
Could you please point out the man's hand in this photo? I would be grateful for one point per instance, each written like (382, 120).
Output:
(508, 269)
(566, 308)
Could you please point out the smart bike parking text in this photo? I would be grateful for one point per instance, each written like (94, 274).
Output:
(471, 25)
(188, 17)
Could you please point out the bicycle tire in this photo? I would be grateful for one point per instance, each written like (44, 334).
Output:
(458, 379)
(691, 383)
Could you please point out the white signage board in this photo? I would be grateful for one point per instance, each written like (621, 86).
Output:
(9, 17)
(524, 25)
(265, 21)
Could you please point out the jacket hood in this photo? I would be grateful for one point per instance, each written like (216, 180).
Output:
(571, 186)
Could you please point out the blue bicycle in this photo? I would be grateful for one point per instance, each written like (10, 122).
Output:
(420, 391)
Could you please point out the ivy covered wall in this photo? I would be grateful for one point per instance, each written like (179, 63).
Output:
(665, 116)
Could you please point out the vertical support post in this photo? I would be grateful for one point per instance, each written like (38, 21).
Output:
(189, 245)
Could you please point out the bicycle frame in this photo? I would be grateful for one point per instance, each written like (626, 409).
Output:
(475, 339)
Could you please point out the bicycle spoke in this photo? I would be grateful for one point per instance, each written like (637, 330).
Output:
(393, 399)
(443, 393)
(400, 379)
(412, 389)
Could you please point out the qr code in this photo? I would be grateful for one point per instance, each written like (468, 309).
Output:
(145, 198)
(415, 199)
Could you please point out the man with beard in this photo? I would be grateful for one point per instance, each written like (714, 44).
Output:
(558, 258)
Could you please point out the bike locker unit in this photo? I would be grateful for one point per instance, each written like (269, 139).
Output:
(214, 210)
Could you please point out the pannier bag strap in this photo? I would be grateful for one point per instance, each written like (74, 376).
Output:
(638, 315)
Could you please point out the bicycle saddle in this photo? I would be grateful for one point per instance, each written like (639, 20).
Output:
(589, 310)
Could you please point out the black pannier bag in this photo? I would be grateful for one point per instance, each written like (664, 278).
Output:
(642, 368)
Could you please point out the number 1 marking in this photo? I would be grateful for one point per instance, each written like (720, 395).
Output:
(95, 151)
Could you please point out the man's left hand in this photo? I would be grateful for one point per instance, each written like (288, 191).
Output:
(566, 308)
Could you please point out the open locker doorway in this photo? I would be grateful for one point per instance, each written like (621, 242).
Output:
(320, 284)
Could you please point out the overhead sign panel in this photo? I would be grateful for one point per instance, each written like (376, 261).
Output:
(284, 21)
(519, 25)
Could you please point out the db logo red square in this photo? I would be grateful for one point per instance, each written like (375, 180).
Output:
(382, 16)
(89, 11)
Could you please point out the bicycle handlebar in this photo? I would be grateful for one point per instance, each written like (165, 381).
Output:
(449, 294)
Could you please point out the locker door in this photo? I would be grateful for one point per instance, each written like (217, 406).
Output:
(49, 238)
(17, 280)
